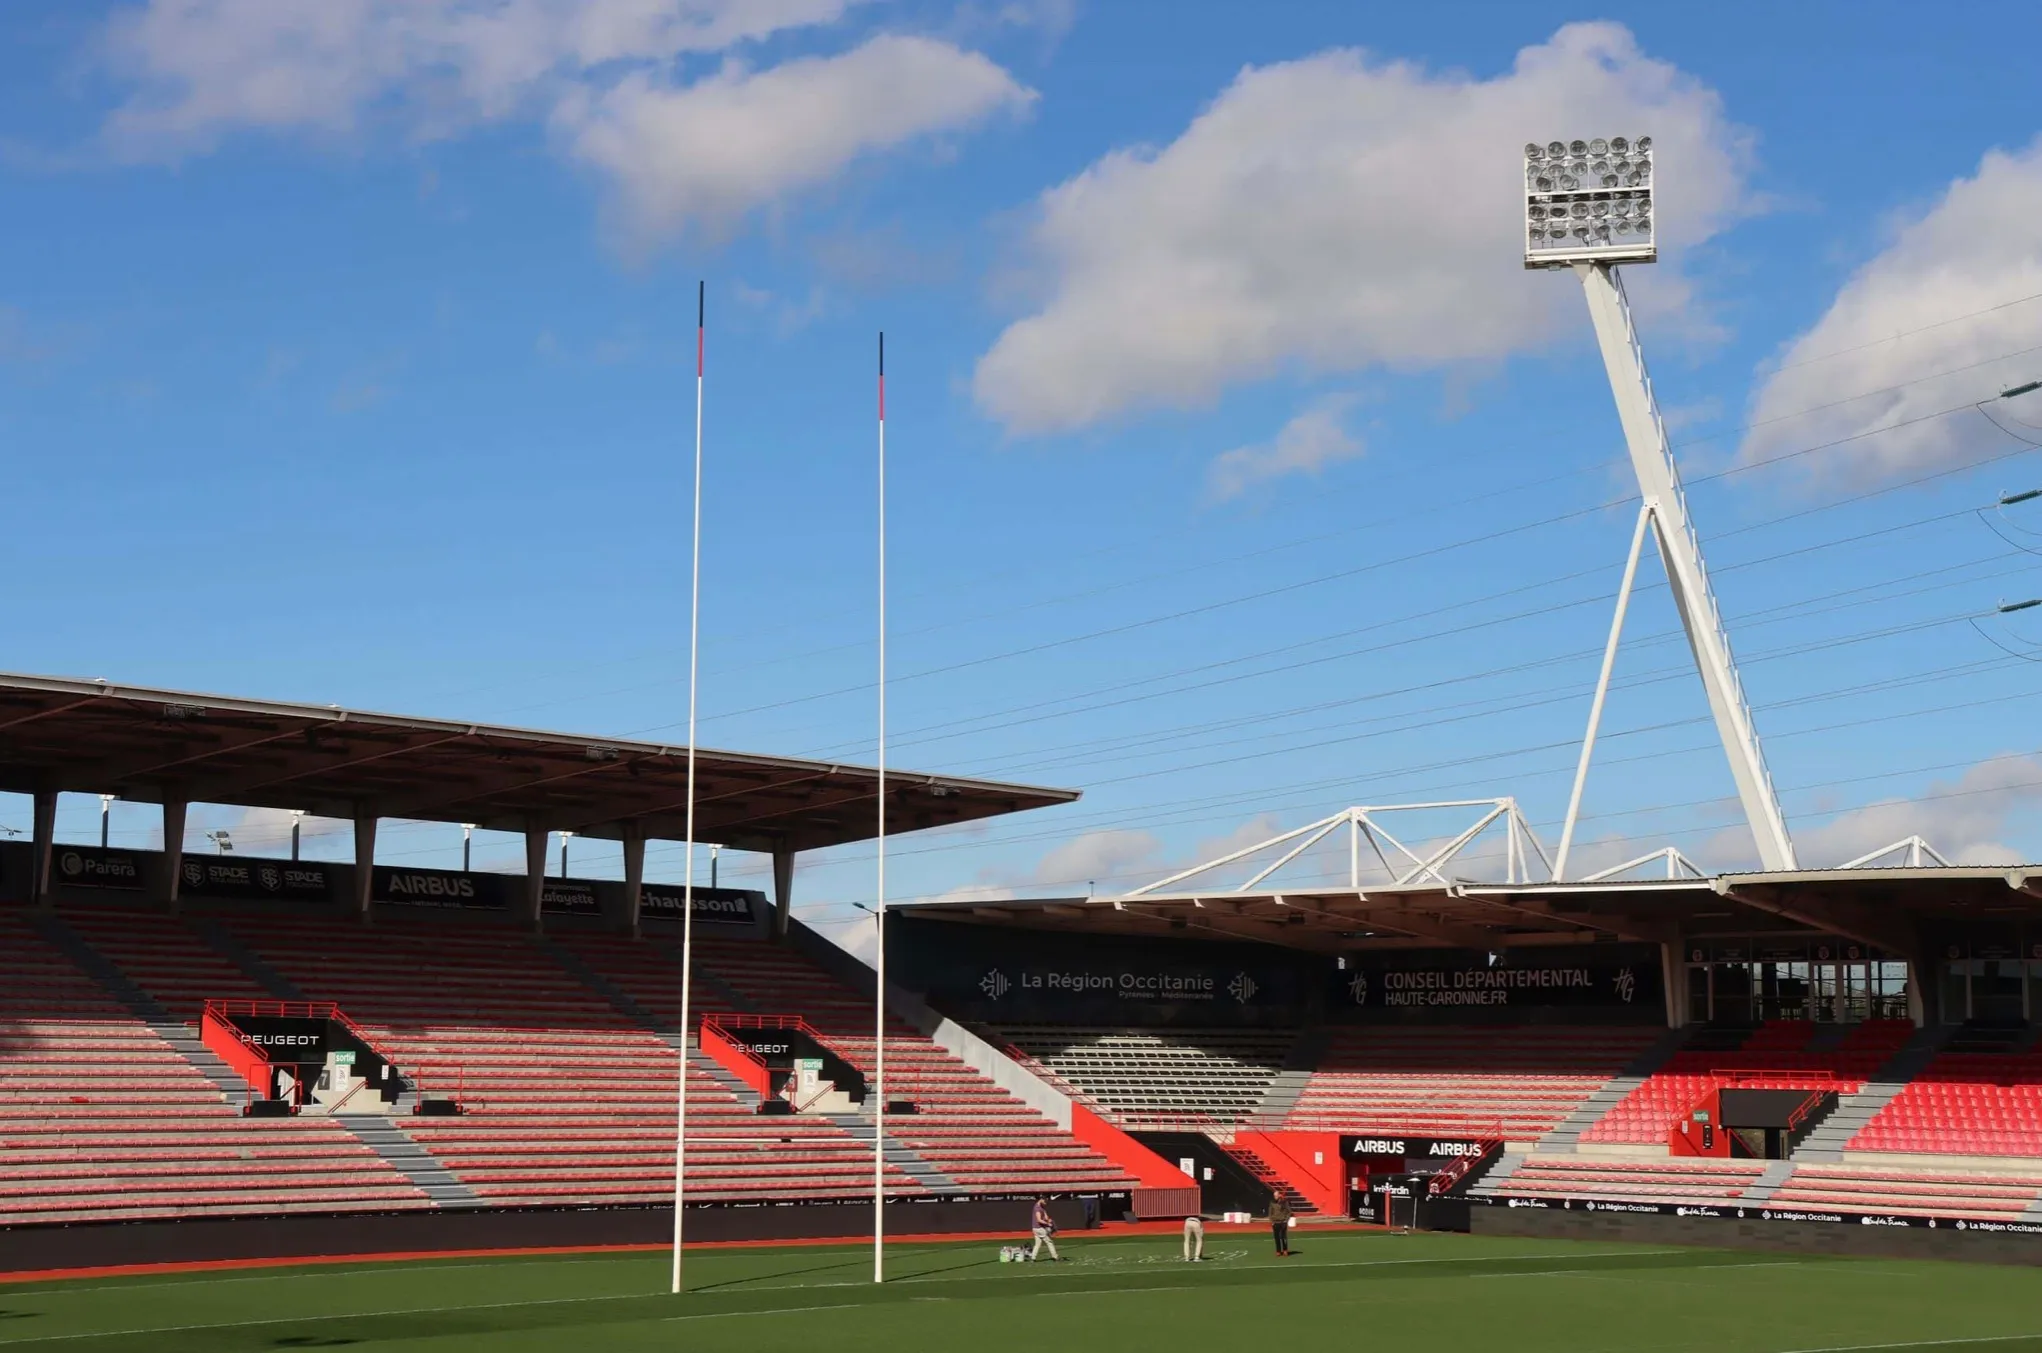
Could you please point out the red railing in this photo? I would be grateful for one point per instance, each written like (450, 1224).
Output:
(243, 1058)
(734, 1055)
(218, 1032)
(1491, 1142)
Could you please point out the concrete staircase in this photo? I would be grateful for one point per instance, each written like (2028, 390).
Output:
(1567, 1136)
(1497, 1180)
(905, 1159)
(1776, 1173)
(710, 991)
(410, 1159)
(1281, 1094)
(1826, 1143)
(145, 1007)
(620, 1000)
(223, 943)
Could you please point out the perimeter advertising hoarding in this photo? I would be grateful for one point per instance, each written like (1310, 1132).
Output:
(1761, 1214)
(91, 867)
(1433, 1151)
(450, 888)
(227, 876)
(442, 888)
(1003, 974)
(717, 906)
(1617, 983)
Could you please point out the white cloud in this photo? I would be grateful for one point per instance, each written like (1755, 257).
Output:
(1967, 820)
(1977, 249)
(1315, 438)
(606, 75)
(205, 68)
(1336, 213)
(1097, 857)
(709, 152)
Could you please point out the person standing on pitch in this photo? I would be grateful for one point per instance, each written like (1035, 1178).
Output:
(1194, 1239)
(1279, 1224)
(1044, 1227)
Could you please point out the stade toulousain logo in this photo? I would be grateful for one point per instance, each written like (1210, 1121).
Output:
(194, 873)
(994, 984)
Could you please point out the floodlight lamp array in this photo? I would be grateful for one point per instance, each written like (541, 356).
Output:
(1589, 201)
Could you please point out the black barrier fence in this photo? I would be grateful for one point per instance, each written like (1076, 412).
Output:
(1748, 1213)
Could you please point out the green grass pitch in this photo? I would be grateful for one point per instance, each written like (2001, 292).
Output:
(1343, 1291)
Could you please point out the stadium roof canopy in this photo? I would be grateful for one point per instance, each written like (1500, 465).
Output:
(1887, 909)
(149, 745)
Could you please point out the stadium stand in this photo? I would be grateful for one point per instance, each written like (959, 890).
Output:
(1981, 1097)
(964, 1126)
(1143, 1079)
(1983, 1195)
(1462, 1081)
(1947, 1193)
(167, 958)
(1780, 1054)
(1659, 1181)
(566, 1099)
(102, 1119)
(554, 1048)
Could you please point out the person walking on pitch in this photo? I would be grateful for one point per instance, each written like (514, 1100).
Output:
(1279, 1225)
(1044, 1227)
(1194, 1239)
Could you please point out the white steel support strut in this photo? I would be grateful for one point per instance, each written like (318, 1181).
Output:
(1688, 579)
(1609, 662)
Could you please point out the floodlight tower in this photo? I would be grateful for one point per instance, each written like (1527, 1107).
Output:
(1589, 206)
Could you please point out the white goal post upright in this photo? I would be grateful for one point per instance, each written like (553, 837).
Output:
(688, 864)
(1589, 206)
(878, 1093)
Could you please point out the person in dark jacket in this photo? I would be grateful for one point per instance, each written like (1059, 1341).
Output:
(1279, 1224)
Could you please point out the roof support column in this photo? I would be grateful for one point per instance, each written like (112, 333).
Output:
(44, 839)
(536, 837)
(634, 874)
(173, 849)
(1673, 975)
(365, 865)
(1918, 972)
(783, 891)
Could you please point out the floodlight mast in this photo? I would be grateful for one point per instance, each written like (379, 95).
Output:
(1589, 207)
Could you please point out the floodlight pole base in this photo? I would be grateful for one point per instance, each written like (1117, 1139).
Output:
(1686, 575)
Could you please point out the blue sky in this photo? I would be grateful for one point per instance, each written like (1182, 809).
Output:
(1238, 472)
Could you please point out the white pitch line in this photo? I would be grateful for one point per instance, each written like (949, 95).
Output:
(777, 1310)
(791, 1287)
(1915, 1343)
(1626, 1273)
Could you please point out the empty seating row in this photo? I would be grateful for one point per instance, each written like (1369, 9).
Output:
(1148, 1078)
(1964, 1103)
(1670, 1181)
(100, 1119)
(1776, 1055)
(1839, 1188)
(1461, 1081)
